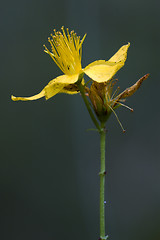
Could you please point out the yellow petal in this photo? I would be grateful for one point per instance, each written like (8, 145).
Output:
(53, 87)
(121, 54)
(35, 97)
(102, 71)
(58, 85)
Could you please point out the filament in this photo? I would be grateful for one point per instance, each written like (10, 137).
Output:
(123, 105)
(115, 92)
(117, 118)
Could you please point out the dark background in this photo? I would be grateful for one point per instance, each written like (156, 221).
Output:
(49, 183)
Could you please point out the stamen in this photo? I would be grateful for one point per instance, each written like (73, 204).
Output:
(117, 118)
(82, 41)
(66, 50)
(115, 92)
(123, 105)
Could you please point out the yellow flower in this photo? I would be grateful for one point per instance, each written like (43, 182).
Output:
(66, 51)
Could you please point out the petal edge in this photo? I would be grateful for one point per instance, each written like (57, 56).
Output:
(32, 98)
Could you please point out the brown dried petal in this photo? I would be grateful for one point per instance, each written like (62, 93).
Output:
(130, 91)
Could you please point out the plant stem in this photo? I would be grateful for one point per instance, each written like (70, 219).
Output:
(102, 182)
(81, 89)
(102, 132)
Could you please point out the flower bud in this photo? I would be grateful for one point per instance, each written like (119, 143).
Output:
(97, 96)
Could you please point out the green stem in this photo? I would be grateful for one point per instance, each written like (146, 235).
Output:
(102, 183)
(82, 91)
(102, 132)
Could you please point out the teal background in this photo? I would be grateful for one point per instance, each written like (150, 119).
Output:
(49, 183)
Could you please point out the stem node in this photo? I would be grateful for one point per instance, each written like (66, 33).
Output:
(103, 238)
(102, 173)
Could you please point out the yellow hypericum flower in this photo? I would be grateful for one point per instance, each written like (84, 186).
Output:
(66, 51)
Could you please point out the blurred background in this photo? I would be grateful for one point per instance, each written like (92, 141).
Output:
(49, 183)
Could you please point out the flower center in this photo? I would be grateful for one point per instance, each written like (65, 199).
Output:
(66, 51)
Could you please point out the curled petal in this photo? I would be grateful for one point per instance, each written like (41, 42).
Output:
(59, 85)
(131, 90)
(55, 86)
(35, 97)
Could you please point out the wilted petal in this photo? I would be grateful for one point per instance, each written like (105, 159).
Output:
(131, 90)
(59, 84)
(53, 87)
(70, 89)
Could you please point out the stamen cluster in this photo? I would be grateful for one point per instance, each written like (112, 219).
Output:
(66, 51)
